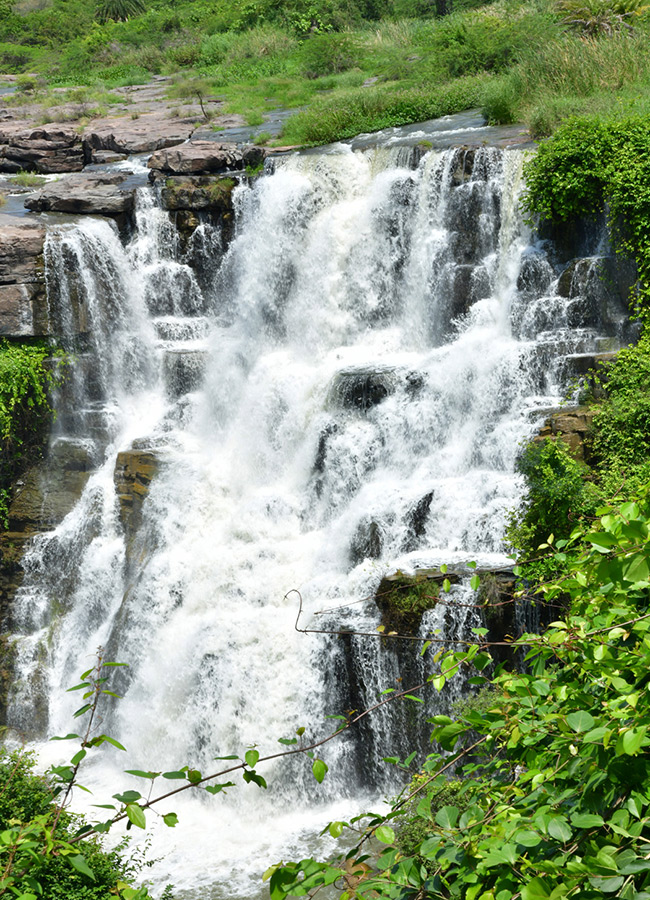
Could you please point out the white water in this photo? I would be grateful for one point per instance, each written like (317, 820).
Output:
(342, 385)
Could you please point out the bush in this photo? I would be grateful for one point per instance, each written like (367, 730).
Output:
(557, 496)
(327, 54)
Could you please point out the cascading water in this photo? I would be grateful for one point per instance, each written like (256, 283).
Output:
(340, 393)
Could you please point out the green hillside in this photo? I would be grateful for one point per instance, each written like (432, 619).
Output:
(351, 65)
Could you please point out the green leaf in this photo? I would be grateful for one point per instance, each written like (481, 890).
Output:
(80, 864)
(76, 759)
(67, 737)
(587, 820)
(128, 797)
(535, 890)
(170, 819)
(251, 758)
(218, 788)
(141, 774)
(385, 834)
(176, 775)
(336, 829)
(288, 741)
(110, 740)
(319, 769)
(528, 838)
(559, 829)
(82, 709)
(193, 776)
(136, 815)
(447, 816)
(633, 740)
(474, 582)
(251, 776)
(580, 721)
(607, 885)
(235, 757)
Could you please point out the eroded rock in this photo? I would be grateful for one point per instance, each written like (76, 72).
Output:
(204, 158)
(96, 194)
(198, 192)
(50, 149)
(23, 301)
(134, 470)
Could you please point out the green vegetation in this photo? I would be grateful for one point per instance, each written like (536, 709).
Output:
(26, 376)
(28, 179)
(27, 799)
(550, 794)
(349, 65)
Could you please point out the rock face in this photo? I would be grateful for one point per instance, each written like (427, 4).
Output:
(49, 150)
(87, 194)
(204, 158)
(43, 497)
(198, 192)
(23, 301)
(134, 470)
(142, 135)
(573, 427)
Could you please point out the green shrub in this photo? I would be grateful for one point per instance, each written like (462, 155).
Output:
(328, 54)
(557, 496)
(25, 412)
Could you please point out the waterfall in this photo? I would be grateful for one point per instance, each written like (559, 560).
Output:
(340, 392)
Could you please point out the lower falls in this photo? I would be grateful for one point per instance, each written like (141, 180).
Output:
(332, 388)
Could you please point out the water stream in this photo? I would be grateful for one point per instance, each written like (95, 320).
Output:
(340, 392)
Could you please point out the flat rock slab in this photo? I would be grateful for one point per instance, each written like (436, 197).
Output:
(142, 135)
(204, 158)
(97, 194)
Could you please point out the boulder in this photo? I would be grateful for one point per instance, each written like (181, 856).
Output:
(50, 149)
(196, 192)
(23, 301)
(205, 157)
(143, 135)
(97, 194)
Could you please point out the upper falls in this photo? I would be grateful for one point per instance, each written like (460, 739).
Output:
(336, 387)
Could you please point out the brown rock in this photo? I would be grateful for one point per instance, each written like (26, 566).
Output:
(84, 194)
(205, 157)
(134, 470)
(23, 302)
(143, 135)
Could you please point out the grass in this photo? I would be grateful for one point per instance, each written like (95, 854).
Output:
(27, 179)
(517, 59)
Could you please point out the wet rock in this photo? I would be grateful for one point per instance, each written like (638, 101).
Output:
(44, 495)
(97, 194)
(205, 157)
(198, 192)
(463, 166)
(23, 301)
(535, 275)
(50, 149)
(362, 389)
(367, 542)
(183, 371)
(416, 521)
(600, 289)
(134, 470)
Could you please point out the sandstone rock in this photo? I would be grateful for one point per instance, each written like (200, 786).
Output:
(573, 427)
(50, 149)
(97, 194)
(134, 470)
(23, 302)
(205, 157)
(143, 135)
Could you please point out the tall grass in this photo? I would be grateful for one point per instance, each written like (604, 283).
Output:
(367, 109)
